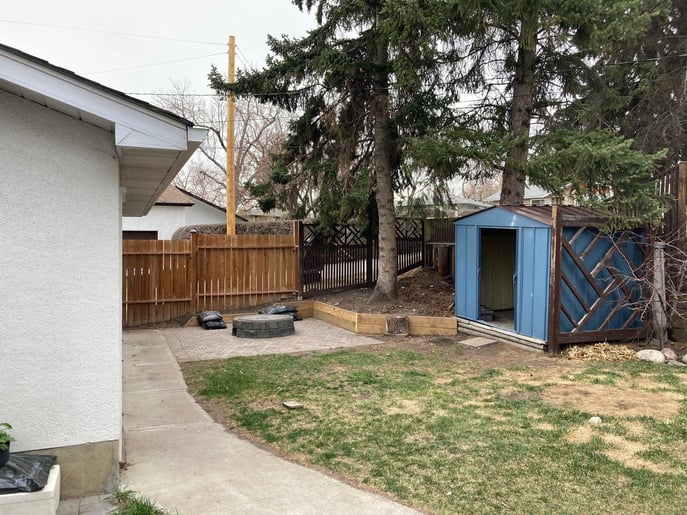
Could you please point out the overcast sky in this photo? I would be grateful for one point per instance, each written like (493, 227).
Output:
(86, 37)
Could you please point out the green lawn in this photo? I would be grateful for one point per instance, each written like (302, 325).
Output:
(448, 434)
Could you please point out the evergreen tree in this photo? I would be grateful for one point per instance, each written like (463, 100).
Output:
(361, 85)
(638, 83)
(524, 64)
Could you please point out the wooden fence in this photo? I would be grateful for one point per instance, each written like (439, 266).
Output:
(163, 280)
(439, 233)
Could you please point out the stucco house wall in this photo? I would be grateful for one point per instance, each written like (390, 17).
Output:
(59, 367)
(75, 156)
(163, 219)
(203, 214)
(167, 218)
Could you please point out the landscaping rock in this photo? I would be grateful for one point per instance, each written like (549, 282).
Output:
(676, 363)
(595, 421)
(684, 358)
(654, 356)
(670, 354)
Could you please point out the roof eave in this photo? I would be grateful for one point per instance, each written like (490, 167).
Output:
(152, 144)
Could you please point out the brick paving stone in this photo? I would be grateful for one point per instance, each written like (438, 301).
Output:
(196, 343)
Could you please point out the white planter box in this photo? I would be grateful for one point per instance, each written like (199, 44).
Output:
(43, 502)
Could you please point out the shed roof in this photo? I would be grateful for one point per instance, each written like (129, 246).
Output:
(152, 144)
(570, 215)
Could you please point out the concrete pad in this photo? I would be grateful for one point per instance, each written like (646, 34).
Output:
(139, 378)
(204, 469)
(478, 341)
(153, 408)
(142, 337)
(184, 461)
(96, 505)
(148, 355)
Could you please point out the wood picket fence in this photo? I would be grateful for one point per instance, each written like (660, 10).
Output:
(163, 280)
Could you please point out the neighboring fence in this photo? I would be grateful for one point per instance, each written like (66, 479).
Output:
(673, 184)
(439, 242)
(346, 258)
(163, 280)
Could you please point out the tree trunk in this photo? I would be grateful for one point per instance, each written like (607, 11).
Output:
(387, 287)
(514, 172)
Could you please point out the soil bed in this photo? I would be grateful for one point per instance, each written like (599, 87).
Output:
(420, 292)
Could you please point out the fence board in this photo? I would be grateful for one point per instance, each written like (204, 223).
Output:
(153, 281)
(163, 280)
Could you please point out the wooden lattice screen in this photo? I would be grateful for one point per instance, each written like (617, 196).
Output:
(596, 285)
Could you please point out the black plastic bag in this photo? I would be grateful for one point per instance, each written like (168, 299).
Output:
(214, 324)
(25, 473)
(211, 320)
(209, 316)
(281, 310)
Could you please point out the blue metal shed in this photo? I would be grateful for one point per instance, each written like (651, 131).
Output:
(548, 274)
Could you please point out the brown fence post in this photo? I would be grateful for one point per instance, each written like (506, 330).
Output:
(682, 202)
(298, 242)
(555, 280)
(370, 277)
(193, 272)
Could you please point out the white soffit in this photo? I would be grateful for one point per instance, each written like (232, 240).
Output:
(152, 144)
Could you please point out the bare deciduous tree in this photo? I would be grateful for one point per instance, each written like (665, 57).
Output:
(260, 131)
(480, 189)
(662, 280)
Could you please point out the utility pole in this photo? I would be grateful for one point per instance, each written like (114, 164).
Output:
(231, 165)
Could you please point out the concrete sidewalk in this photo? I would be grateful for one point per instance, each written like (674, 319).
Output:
(180, 458)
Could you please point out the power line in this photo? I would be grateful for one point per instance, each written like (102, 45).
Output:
(98, 31)
(646, 59)
(243, 58)
(174, 94)
(154, 64)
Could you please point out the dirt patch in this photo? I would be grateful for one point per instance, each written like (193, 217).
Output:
(622, 450)
(405, 407)
(608, 400)
(420, 292)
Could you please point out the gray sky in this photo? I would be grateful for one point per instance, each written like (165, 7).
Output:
(130, 64)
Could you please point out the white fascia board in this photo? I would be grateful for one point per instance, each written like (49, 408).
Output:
(198, 136)
(128, 137)
(163, 132)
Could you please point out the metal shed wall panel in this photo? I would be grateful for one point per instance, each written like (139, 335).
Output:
(467, 271)
(598, 293)
(533, 267)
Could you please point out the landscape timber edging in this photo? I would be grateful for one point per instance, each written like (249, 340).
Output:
(360, 323)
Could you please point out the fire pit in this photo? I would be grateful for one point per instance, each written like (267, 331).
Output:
(262, 326)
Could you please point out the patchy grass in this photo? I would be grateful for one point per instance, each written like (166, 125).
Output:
(128, 502)
(460, 436)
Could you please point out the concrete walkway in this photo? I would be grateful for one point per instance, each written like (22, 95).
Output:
(179, 457)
